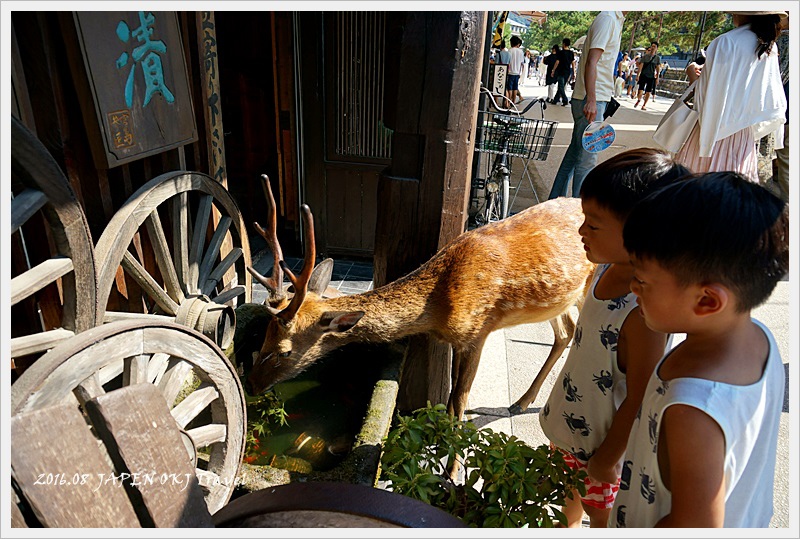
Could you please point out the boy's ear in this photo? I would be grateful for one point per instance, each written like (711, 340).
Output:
(713, 299)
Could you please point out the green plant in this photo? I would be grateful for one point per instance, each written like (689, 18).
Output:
(508, 483)
(264, 412)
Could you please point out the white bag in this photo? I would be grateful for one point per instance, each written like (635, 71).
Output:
(677, 123)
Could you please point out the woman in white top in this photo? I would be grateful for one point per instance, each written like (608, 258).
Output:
(739, 97)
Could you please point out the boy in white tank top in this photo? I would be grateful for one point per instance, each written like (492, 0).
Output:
(702, 451)
(594, 402)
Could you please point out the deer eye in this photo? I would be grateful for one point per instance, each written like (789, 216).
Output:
(285, 354)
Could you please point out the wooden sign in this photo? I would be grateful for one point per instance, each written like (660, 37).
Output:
(139, 84)
(497, 76)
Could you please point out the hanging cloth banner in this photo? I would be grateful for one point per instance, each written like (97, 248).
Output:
(499, 26)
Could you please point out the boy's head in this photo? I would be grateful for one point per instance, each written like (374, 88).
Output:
(566, 42)
(610, 191)
(623, 180)
(515, 41)
(713, 229)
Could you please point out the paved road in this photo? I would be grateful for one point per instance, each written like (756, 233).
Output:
(512, 357)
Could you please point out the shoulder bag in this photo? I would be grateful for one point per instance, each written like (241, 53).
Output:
(677, 123)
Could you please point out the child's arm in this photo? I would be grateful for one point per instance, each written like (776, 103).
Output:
(691, 456)
(638, 351)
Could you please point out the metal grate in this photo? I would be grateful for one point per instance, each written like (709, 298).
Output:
(360, 43)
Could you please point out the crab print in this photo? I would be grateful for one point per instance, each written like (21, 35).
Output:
(603, 380)
(625, 476)
(578, 335)
(662, 389)
(546, 409)
(617, 303)
(571, 392)
(582, 454)
(648, 487)
(609, 338)
(577, 424)
(621, 516)
(652, 427)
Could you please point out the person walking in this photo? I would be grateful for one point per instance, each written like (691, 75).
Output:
(620, 75)
(549, 80)
(563, 70)
(739, 97)
(516, 65)
(648, 74)
(593, 90)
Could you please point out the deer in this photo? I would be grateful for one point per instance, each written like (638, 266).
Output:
(530, 267)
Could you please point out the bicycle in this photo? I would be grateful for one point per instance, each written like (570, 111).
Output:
(506, 133)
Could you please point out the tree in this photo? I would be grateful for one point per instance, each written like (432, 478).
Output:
(676, 31)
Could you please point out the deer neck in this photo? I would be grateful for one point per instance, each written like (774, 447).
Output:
(396, 310)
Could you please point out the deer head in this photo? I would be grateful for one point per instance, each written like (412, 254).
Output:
(300, 318)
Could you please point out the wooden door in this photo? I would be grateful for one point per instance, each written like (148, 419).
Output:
(354, 145)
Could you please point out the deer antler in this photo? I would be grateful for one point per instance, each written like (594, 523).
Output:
(274, 284)
(301, 283)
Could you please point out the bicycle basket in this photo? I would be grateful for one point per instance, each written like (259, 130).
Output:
(518, 136)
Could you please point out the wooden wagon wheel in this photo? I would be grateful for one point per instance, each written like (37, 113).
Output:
(199, 384)
(192, 271)
(40, 189)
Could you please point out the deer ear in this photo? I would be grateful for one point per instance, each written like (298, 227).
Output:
(339, 321)
(321, 276)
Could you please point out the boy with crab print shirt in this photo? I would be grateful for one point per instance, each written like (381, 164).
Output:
(702, 450)
(594, 402)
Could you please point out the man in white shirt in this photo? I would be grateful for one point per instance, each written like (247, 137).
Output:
(594, 87)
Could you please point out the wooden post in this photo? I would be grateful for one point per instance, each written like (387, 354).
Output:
(423, 195)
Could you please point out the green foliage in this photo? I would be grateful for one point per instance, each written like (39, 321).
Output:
(264, 413)
(674, 30)
(508, 483)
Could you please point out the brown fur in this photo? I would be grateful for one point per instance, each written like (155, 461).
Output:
(530, 267)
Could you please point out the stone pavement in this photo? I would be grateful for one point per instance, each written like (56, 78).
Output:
(512, 357)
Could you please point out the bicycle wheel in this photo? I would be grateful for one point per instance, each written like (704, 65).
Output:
(496, 195)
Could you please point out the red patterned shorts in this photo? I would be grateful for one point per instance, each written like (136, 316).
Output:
(599, 495)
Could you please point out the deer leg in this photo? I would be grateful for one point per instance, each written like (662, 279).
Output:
(563, 330)
(465, 366)
(466, 361)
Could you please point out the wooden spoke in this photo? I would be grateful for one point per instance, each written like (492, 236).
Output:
(173, 358)
(220, 270)
(196, 402)
(36, 278)
(24, 206)
(163, 257)
(148, 284)
(157, 367)
(38, 342)
(207, 435)
(229, 294)
(115, 316)
(198, 240)
(89, 389)
(134, 370)
(212, 253)
(180, 234)
(173, 379)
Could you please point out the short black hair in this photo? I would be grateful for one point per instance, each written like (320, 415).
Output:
(515, 40)
(502, 44)
(716, 227)
(566, 41)
(654, 43)
(624, 179)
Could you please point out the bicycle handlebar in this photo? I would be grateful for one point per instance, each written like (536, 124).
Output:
(514, 109)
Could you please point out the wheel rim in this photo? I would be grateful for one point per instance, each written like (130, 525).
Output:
(166, 355)
(41, 190)
(170, 239)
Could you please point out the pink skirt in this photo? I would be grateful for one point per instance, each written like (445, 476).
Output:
(735, 153)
